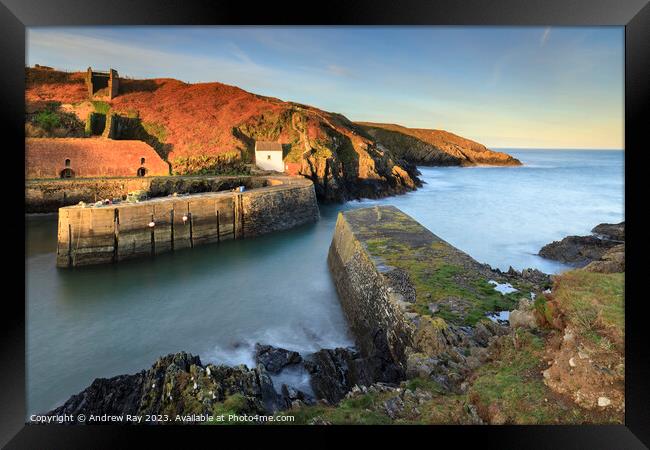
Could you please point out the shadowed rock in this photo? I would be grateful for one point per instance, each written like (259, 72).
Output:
(335, 372)
(581, 250)
(613, 231)
(275, 359)
(176, 384)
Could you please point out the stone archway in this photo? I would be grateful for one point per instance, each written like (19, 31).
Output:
(67, 173)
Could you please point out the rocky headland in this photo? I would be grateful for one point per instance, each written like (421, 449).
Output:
(435, 147)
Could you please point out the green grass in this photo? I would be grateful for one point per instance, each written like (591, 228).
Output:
(101, 107)
(156, 130)
(435, 279)
(48, 120)
(365, 409)
(513, 384)
(235, 404)
(594, 303)
(424, 384)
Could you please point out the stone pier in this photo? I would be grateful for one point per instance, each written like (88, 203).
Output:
(113, 233)
(411, 299)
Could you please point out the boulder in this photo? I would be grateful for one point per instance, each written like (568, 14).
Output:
(538, 279)
(294, 397)
(335, 372)
(524, 316)
(611, 262)
(612, 231)
(275, 359)
(523, 319)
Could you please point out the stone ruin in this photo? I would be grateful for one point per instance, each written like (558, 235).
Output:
(103, 84)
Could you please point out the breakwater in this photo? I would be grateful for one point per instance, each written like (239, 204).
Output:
(48, 195)
(411, 299)
(113, 233)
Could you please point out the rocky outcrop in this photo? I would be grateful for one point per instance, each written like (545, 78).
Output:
(612, 261)
(275, 359)
(581, 250)
(535, 278)
(335, 372)
(176, 384)
(578, 250)
(612, 231)
(435, 147)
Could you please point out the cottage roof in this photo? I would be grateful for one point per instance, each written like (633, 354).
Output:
(267, 146)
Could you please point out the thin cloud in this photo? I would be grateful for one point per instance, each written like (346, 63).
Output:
(136, 60)
(339, 70)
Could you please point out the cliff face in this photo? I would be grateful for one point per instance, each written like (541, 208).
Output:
(194, 121)
(434, 147)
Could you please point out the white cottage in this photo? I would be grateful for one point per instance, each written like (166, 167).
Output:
(268, 156)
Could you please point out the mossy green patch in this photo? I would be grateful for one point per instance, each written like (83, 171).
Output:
(48, 120)
(426, 384)
(227, 163)
(156, 130)
(462, 295)
(101, 107)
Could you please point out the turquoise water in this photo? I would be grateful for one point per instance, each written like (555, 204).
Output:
(218, 300)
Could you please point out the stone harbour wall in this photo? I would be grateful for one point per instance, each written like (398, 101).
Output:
(46, 196)
(113, 233)
(373, 307)
(412, 300)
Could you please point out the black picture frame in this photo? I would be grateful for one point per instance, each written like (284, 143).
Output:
(16, 15)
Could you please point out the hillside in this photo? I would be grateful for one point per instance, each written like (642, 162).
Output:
(191, 124)
(434, 147)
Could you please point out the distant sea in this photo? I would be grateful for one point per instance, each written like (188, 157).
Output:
(218, 300)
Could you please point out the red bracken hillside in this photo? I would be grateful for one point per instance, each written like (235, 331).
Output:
(192, 120)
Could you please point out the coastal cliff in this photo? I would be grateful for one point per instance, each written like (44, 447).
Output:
(435, 147)
(344, 160)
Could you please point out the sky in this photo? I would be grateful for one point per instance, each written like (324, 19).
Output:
(505, 87)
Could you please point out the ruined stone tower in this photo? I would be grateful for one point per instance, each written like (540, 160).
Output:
(103, 84)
